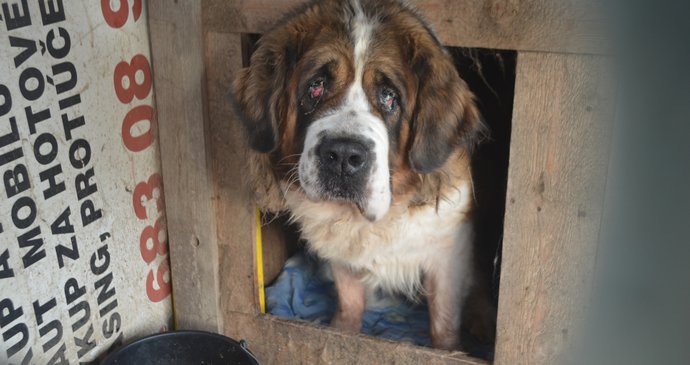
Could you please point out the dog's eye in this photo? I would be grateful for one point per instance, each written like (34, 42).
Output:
(388, 99)
(316, 88)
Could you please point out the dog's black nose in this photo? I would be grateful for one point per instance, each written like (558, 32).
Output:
(343, 156)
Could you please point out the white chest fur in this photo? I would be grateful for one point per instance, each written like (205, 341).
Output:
(393, 252)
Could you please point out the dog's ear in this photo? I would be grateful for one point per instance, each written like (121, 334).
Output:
(445, 116)
(260, 90)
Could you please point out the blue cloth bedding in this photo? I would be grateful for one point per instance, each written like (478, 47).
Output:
(305, 292)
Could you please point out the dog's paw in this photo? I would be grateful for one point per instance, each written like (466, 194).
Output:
(448, 341)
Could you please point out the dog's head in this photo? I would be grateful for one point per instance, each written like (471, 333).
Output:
(353, 100)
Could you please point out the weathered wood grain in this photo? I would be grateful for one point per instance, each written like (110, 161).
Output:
(276, 341)
(233, 201)
(553, 210)
(179, 79)
(275, 250)
(572, 26)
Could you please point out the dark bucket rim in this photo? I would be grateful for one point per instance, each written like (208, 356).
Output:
(242, 344)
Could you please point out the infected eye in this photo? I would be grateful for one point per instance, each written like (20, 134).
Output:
(313, 95)
(388, 99)
(316, 88)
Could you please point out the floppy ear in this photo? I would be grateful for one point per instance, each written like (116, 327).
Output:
(445, 116)
(259, 90)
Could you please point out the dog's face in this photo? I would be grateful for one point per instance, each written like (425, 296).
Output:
(354, 100)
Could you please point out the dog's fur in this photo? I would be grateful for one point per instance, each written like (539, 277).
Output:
(369, 72)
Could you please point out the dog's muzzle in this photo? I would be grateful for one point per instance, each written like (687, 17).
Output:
(344, 166)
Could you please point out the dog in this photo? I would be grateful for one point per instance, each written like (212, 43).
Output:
(362, 130)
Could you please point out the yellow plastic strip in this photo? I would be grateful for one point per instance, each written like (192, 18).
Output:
(260, 263)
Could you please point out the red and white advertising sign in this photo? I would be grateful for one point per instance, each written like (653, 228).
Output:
(83, 251)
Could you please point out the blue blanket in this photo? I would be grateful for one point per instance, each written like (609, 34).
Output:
(304, 291)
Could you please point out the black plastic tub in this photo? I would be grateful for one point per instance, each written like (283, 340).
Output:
(183, 348)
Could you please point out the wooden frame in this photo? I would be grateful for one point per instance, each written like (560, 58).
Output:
(197, 49)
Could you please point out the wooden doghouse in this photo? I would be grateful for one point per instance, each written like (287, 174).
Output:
(551, 219)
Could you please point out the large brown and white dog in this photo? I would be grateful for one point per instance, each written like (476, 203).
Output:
(363, 127)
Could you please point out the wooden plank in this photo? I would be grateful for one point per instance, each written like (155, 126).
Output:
(234, 206)
(556, 177)
(178, 67)
(275, 250)
(277, 341)
(572, 26)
